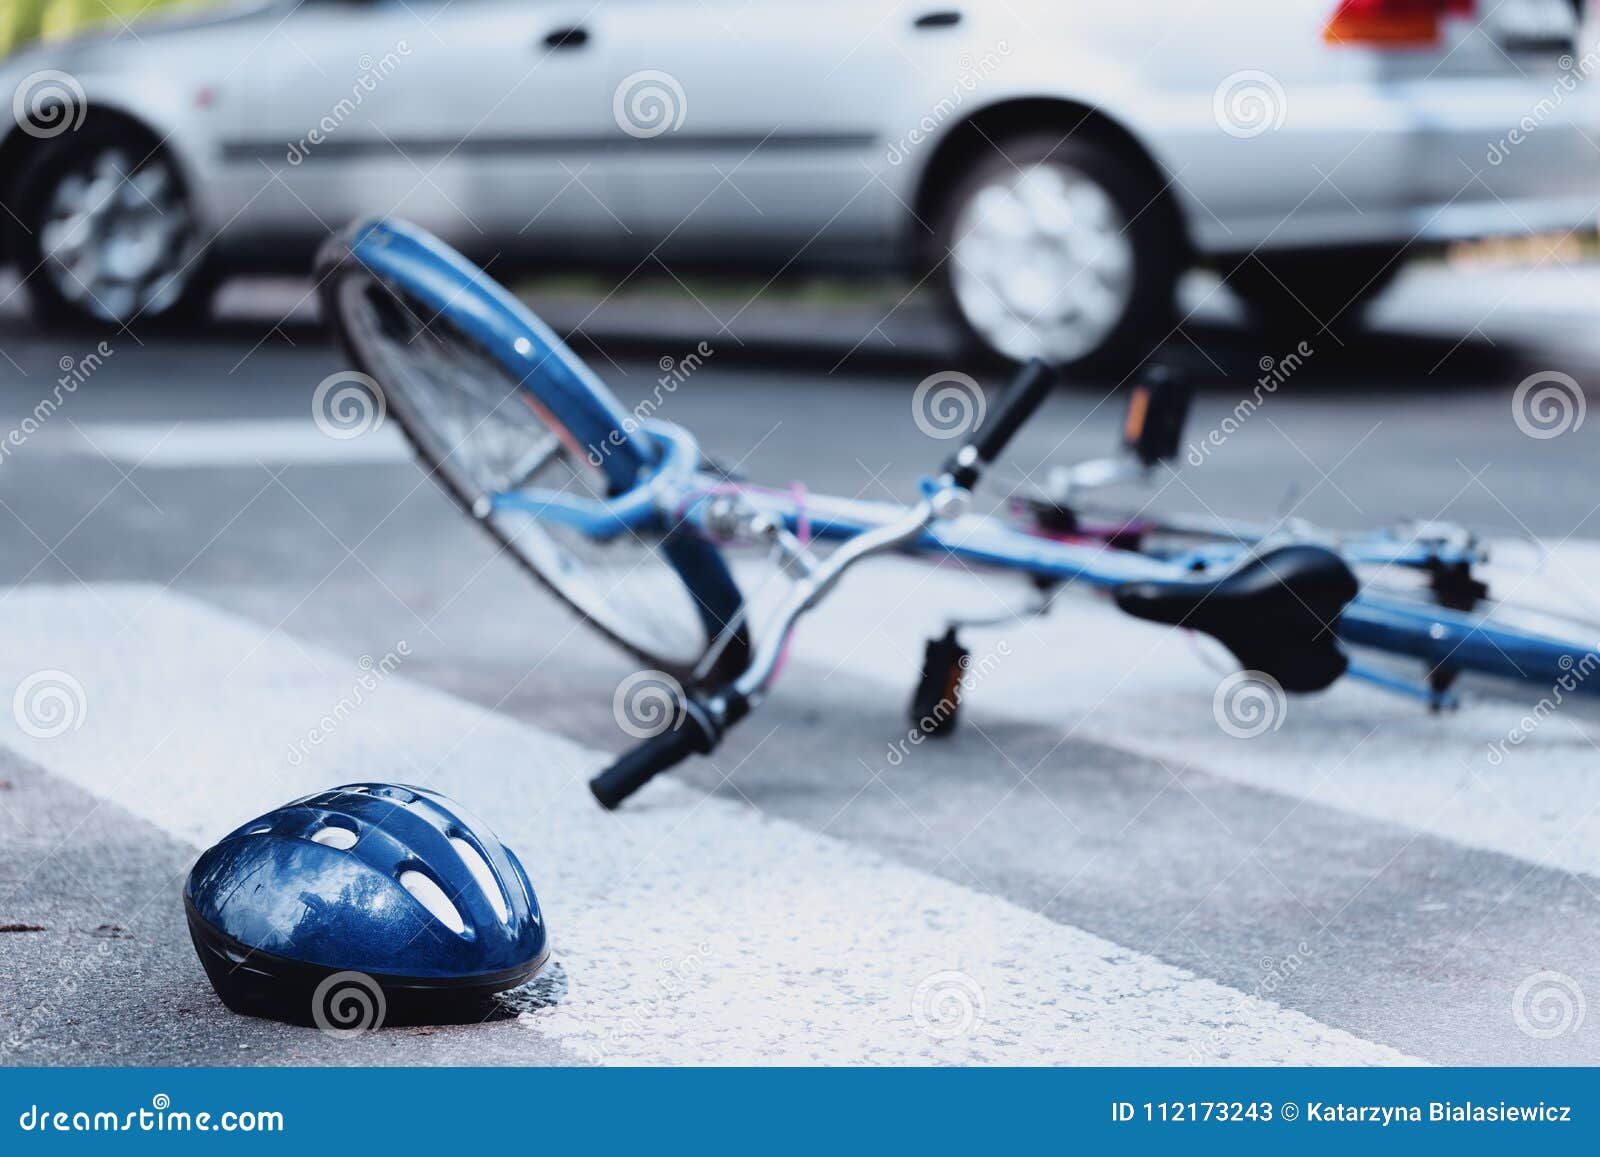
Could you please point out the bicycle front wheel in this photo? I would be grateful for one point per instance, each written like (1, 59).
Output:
(492, 401)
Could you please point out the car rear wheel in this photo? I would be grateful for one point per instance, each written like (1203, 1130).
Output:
(107, 231)
(1055, 248)
(1313, 291)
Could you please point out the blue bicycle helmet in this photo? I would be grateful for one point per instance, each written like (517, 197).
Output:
(394, 886)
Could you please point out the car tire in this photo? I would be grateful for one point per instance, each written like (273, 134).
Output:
(107, 233)
(1058, 248)
(1312, 291)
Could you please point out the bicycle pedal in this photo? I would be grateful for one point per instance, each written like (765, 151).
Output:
(935, 705)
(1158, 410)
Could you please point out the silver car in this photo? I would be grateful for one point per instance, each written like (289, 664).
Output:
(1049, 168)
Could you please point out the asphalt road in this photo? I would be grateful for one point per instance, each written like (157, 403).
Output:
(1114, 877)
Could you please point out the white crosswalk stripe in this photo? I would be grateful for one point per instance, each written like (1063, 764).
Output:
(1097, 675)
(237, 442)
(693, 930)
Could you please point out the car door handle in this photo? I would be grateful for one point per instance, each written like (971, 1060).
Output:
(571, 36)
(944, 18)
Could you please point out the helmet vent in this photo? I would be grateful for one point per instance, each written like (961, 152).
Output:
(432, 897)
(484, 875)
(333, 836)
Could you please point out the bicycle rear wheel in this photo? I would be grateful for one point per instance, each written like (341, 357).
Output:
(492, 402)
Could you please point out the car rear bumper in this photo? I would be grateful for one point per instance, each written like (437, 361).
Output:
(1424, 161)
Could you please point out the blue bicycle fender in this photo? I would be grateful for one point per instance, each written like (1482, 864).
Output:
(514, 335)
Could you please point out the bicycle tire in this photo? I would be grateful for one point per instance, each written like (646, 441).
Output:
(381, 273)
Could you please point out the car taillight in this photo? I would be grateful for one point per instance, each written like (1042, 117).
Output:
(1393, 23)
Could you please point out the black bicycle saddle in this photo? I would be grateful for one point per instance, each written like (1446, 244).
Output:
(1276, 612)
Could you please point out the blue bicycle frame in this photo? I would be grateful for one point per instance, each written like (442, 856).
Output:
(1438, 636)
(660, 487)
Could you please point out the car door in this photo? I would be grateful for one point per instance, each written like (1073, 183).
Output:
(475, 118)
(756, 131)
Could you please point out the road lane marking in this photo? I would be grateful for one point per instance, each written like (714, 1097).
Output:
(1096, 674)
(692, 929)
(233, 442)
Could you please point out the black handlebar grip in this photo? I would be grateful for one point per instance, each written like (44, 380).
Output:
(633, 769)
(697, 728)
(1027, 391)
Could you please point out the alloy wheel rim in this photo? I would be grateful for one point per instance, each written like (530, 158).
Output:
(1041, 264)
(118, 235)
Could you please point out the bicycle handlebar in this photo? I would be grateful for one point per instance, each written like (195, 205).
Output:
(1027, 391)
(701, 720)
(697, 728)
